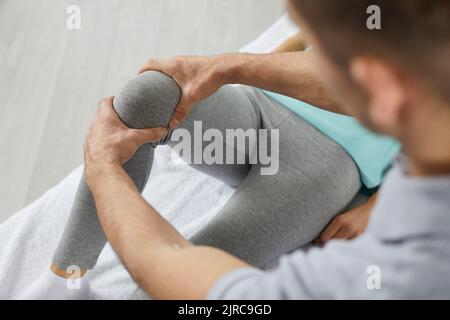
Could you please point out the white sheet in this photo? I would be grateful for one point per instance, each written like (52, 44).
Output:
(29, 237)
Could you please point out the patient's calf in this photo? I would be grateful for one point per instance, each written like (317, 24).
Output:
(147, 101)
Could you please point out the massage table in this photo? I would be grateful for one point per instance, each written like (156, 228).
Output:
(29, 237)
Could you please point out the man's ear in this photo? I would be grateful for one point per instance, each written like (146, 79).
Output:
(386, 91)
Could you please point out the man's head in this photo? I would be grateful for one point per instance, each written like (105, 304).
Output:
(396, 79)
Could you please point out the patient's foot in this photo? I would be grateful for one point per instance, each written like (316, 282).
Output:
(52, 287)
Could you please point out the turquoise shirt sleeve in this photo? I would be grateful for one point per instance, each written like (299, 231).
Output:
(372, 153)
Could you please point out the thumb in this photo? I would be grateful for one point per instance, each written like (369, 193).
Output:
(181, 113)
(143, 136)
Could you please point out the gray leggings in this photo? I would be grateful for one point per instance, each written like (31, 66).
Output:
(267, 216)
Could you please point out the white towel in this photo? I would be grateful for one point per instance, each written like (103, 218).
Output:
(29, 237)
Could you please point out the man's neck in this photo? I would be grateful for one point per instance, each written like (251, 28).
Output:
(420, 170)
(428, 144)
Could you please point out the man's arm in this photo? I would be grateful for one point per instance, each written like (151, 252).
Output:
(292, 74)
(162, 262)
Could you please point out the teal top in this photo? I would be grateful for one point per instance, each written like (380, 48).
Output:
(372, 153)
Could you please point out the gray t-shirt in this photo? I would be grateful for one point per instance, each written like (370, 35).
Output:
(404, 253)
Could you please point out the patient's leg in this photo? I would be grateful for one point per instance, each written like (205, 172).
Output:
(271, 215)
(145, 102)
(263, 219)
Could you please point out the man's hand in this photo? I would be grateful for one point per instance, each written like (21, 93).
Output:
(292, 74)
(348, 225)
(110, 142)
(198, 78)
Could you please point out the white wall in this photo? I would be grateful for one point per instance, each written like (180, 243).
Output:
(51, 78)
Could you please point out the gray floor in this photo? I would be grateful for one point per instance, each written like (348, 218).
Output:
(51, 78)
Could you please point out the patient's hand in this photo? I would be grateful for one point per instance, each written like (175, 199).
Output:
(350, 224)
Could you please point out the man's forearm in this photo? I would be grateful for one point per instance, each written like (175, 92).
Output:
(292, 74)
(157, 256)
(127, 219)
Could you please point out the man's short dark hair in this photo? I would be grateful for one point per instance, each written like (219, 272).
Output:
(414, 34)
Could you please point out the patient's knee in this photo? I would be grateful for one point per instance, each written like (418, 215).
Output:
(148, 100)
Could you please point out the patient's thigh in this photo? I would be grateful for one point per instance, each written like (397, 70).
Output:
(231, 107)
(272, 215)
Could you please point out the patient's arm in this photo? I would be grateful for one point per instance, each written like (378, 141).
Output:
(157, 256)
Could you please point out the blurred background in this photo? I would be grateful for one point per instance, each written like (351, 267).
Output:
(51, 78)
